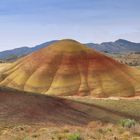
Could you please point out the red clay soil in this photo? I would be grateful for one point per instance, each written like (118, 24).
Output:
(23, 108)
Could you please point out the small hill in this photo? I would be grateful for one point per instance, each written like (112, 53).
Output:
(67, 68)
(24, 108)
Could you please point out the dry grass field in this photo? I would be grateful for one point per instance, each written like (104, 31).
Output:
(95, 130)
(125, 106)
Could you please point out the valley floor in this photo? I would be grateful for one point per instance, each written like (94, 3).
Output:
(126, 107)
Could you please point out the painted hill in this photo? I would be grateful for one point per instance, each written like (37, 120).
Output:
(69, 68)
(119, 46)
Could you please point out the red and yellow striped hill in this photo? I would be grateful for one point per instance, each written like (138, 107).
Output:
(69, 68)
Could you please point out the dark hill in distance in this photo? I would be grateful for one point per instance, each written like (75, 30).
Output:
(118, 46)
(18, 52)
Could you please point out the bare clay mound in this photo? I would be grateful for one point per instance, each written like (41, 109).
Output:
(68, 68)
(24, 108)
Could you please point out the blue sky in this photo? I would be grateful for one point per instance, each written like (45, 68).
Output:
(30, 22)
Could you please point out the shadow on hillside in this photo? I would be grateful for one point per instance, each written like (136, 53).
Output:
(30, 108)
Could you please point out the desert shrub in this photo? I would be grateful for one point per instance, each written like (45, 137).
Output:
(66, 130)
(135, 129)
(126, 135)
(95, 124)
(120, 130)
(127, 123)
(61, 136)
(74, 137)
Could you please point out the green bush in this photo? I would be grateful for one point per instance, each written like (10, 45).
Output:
(127, 123)
(74, 137)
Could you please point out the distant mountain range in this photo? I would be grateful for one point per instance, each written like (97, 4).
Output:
(18, 52)
(119, 46)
